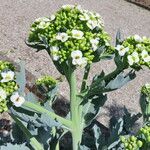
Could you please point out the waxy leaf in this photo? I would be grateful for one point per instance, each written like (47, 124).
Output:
(21, 79)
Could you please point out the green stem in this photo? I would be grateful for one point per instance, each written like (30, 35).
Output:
(41, 110)
(33, 142)
(75, 116)
(86, 73)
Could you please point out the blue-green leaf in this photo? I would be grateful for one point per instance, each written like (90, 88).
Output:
(21, 79)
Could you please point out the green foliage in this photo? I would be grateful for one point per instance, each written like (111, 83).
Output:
(145, 102)
(7, 84)
(75, 37)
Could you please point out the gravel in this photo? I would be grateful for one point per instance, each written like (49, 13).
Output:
(16, 17)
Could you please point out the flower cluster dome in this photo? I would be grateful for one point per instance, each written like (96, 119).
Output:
(72, 33)
(7, 84)
(135, 51)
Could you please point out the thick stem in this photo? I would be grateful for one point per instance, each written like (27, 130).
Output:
(42, 110)
(75, 116)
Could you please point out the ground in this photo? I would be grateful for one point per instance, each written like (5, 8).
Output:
(16, 17)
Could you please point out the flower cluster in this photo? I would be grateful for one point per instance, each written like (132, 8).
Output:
(7, 85)
(146, 90)
(131, 143)
(145, 133)
(135, 51)
(46, 83)
(71, 33)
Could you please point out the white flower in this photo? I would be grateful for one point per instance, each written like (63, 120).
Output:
(54, 53)
(92, 24)
(44, 19)
(137, 38)
(79, 8)
(17, 99)
(144, 38)
(97, 15)
(43, 25)
(133, 58)
(138, 45)
(52, 17)
(68, 6)
(94, 43)
(84, 16)
(82, 62)
(62, 36)
(7, 76)
(77, 59)
(76, 56)
(77, 34)
(145, 56)
(2, 94)
(122, 50)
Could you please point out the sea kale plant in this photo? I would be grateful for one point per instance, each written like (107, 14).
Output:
(75, 39)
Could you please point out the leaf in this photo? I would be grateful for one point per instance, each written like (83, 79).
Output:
(115, 132)
(17, 135)
(92, 107)
(31, 98)
(45, 42)
(20, 78)
(97, 135)
(118, 37)
(36, 45)
(83, 147)
(47, 121)
(44, 136)
(129, 120)
(119, 81)
(98, 53)
(10, 146)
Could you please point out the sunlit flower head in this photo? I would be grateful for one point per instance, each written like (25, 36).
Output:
(7, 76)
(133, 58)
(17, 99)
(77, 34)
(94, 43)
(62, 36)
(68, 6)
(54, 53)
(122, 50)
(137, 38)
(145, 56)
(84, 16)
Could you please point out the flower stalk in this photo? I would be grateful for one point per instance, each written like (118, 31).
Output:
(75, 114)
(65, 122)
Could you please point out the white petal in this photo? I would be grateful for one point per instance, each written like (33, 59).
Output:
(62, 36)
(137, 38)
(52, 17)
(68, 6)
(130, 60)
(76, 53)
(54, 49)
(7, 76)
(147, 59)
(19, 102)
(122, 52)
(83, 17)
(77, 34)
(55, 57)
(14, 97)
